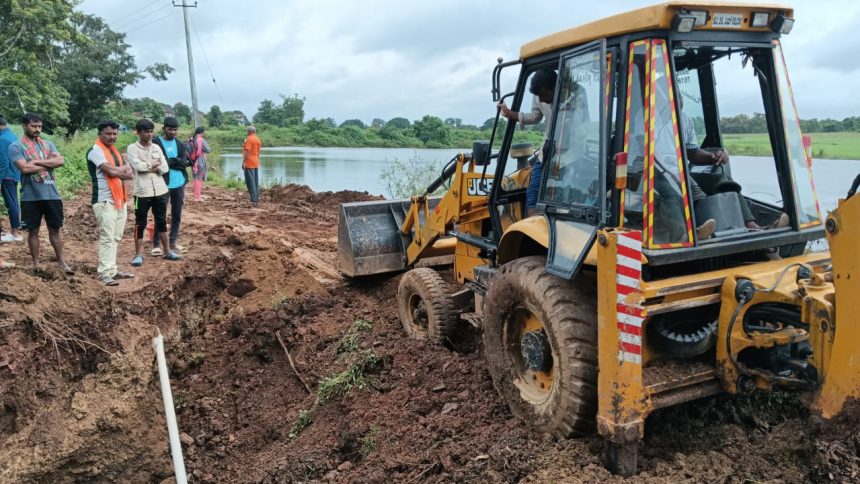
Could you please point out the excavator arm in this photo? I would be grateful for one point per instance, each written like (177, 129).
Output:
(429, 228)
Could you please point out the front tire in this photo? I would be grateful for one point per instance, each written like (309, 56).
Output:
(540, 336)
(426, 310)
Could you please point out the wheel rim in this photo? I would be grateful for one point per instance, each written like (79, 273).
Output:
(531, 357)
(418, 318)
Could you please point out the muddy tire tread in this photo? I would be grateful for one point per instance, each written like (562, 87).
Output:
(570, 309)
(442, 316)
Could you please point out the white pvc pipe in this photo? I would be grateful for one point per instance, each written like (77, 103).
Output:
(169, 413)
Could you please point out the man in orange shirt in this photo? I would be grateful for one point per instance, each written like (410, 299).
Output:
(251, 163)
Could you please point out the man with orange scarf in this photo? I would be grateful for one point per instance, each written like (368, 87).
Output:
(36, 159)
(107, 172)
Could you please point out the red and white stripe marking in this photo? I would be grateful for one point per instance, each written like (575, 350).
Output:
(628, 268)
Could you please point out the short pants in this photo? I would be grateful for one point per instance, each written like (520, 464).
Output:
(32, 212)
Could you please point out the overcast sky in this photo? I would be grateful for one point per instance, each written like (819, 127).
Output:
(387, 58)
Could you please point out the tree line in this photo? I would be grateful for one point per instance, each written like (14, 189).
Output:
(63, 64)
(743, 124)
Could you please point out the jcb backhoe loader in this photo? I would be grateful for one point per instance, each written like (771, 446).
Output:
(654, 268)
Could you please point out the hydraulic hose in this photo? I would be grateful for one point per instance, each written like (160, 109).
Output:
(446, 174)
(854, 187)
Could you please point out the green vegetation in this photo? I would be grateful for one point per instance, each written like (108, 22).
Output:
(406, 178)
(341, 383)
(353, 377)
(368, 442)
(426, 133)
(840, 146)
(196, 359)
(62, 64)
(402, 177)
(304, 419)
(349, 343)
(73, 176)
(757, 123)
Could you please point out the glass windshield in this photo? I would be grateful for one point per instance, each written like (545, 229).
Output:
(808, 212)
(725, 100)
(573, 170)
(671, 209)
(656, 192)
(634, 138)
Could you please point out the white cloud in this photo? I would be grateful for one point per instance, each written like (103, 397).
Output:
(386, 58)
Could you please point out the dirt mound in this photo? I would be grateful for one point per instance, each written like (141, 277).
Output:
(284, 372)
(301, 193)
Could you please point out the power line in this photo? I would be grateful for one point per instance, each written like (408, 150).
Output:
(121, 19)
(150, 23)
(206, 59)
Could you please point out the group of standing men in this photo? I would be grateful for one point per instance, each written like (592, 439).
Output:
(157, 166)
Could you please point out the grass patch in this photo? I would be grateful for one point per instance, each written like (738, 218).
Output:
(196, 359)
(303, 421)
(350, 342)
(353, 377)
(840, 146)
(368, 442)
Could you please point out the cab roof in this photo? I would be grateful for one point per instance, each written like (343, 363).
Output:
(655, 17)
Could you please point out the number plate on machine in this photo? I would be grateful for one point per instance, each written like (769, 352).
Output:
(727, 20)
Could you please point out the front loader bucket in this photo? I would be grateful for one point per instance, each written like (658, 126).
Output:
(841, 380)
(369, 238)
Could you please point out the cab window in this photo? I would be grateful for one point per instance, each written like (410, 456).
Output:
(573, 169)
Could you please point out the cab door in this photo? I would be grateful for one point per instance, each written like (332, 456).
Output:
(573, 193)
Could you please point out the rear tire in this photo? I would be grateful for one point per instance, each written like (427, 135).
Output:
(527, 308)
(426, 310)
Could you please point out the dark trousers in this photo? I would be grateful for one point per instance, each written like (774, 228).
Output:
(252, 181)
(142, 205)
(10, 198)
(177, 200)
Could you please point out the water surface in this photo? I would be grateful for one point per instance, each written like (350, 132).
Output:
(333, 169)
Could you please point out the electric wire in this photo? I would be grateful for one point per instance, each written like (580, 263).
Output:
(206, 59)
(132, 18)
(154, 21)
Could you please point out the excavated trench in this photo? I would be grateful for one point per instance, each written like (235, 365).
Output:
(80, 398)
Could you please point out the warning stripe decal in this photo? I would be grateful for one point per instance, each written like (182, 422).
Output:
(629, 316)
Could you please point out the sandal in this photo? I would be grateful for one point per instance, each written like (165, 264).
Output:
(6, 265)
(172, 256)
(108, 281)
(137, 261)
(123, 275)
(156, 251)
(67, 270)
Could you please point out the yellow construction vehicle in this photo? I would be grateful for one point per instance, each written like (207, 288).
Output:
(644, 274)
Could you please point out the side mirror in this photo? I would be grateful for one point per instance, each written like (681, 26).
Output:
(481, 152)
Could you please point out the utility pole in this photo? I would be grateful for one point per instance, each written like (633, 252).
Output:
(185, 8)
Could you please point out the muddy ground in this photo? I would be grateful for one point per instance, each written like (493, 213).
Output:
(79, 395)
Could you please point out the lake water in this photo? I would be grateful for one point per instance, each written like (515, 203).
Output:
(333, 169)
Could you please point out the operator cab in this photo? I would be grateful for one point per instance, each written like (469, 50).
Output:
(638, 120)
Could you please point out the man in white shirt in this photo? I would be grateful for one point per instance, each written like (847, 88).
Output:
(108, 170)
(150, 190)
